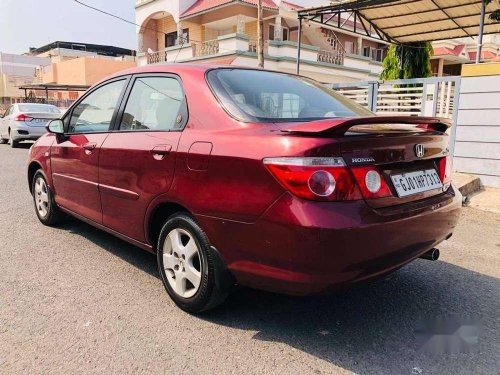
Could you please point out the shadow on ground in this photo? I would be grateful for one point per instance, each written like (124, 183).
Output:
(366, 329)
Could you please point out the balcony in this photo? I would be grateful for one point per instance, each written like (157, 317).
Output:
(281, 55)
(240, 44)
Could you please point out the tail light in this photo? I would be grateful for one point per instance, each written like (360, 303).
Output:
(445, 173)
(23, 117)
(371, 183)
(320, 179)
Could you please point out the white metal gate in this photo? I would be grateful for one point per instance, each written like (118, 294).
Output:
(434, 97)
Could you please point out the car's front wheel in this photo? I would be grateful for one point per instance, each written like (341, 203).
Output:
(46, 209)
(190, 268)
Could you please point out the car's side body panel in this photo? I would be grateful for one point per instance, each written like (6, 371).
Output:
(134, 168)
(75, 174)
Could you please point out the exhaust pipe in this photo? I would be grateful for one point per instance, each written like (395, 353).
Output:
(432, 254)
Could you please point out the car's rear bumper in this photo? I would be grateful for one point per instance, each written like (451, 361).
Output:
(302, 247)
(25, 132)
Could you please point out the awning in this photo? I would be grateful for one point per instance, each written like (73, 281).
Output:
(54, 87)
(406, 21)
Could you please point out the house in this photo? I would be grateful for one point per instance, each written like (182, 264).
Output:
(59, 72)
(225, 32)
(450, 55)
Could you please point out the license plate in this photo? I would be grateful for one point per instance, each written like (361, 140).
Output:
(416, 182)
(39, 121)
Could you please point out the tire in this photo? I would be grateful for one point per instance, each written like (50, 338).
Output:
(3, 141)
(46, 209)
(13, 143)
(192, 271)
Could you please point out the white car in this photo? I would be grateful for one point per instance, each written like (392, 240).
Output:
(26, 121)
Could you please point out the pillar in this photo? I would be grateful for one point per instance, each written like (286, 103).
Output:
(278, 30)
(180, 33)
(440, 67)
(240, 24)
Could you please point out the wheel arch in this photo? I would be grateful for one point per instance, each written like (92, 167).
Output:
(33, 167)
(157, 217)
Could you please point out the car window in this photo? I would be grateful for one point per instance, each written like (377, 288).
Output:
(263, 96)
(155, 103)
(95, 112)
(8, 111)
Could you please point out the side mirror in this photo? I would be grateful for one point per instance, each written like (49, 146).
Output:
(55, 127)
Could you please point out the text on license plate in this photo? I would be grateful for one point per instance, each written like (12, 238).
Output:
(416, 182)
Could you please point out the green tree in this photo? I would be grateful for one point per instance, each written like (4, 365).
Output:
(410, 60)
(495, 15)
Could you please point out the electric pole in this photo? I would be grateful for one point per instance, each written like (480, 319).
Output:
(260, 34)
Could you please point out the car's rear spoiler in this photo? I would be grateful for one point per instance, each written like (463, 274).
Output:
(341, 126)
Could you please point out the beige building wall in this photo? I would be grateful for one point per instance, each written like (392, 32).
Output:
(85, 71)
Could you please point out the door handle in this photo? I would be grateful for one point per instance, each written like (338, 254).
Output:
(160, 151)
(89, 147)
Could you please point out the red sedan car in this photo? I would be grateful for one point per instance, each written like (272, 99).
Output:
(251, 177)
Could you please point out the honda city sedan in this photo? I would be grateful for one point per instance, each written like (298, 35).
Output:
(237, 176)
(26, 121)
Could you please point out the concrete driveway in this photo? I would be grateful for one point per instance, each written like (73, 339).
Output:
(76, 300)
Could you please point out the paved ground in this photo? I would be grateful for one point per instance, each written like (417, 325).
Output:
(75, 300)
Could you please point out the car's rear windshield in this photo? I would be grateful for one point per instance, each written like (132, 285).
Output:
(39, 108)
(263, 96)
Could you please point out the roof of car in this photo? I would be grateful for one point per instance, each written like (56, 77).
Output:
(174, 68)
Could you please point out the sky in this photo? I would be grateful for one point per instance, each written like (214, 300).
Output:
(34, 23)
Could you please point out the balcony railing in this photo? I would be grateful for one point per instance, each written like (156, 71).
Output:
(156, 57)
(209, 47)
(331, 57)
(252, 46)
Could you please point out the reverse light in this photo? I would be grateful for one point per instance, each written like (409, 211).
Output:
(370, 182)
(23, 117)
(373, 182)
(321, 178)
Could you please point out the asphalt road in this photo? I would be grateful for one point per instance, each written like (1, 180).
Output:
(74, 300)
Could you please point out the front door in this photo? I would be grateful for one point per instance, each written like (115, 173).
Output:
(137, 159)
(75, 156)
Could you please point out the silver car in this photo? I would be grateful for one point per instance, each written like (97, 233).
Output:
(26, 121)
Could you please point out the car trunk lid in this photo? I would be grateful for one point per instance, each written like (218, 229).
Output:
(41, 118)
(403, 150)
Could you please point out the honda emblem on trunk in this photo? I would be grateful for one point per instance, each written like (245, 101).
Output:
(419, 150)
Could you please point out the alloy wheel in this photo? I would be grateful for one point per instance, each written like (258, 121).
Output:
(182, 262)
(41, 197)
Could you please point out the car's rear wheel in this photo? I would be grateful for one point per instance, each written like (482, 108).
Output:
(3, 140)
(13, 143)
(190, 268)
(46, 209)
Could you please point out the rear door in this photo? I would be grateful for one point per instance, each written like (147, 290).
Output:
(75, 156)
(137, 159)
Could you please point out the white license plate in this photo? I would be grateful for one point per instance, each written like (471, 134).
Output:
(416, 182)
(40, 121)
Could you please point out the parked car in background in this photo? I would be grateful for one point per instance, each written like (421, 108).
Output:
(259, 178)
(26, 121)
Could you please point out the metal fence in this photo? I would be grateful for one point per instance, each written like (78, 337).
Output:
(435, 97)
